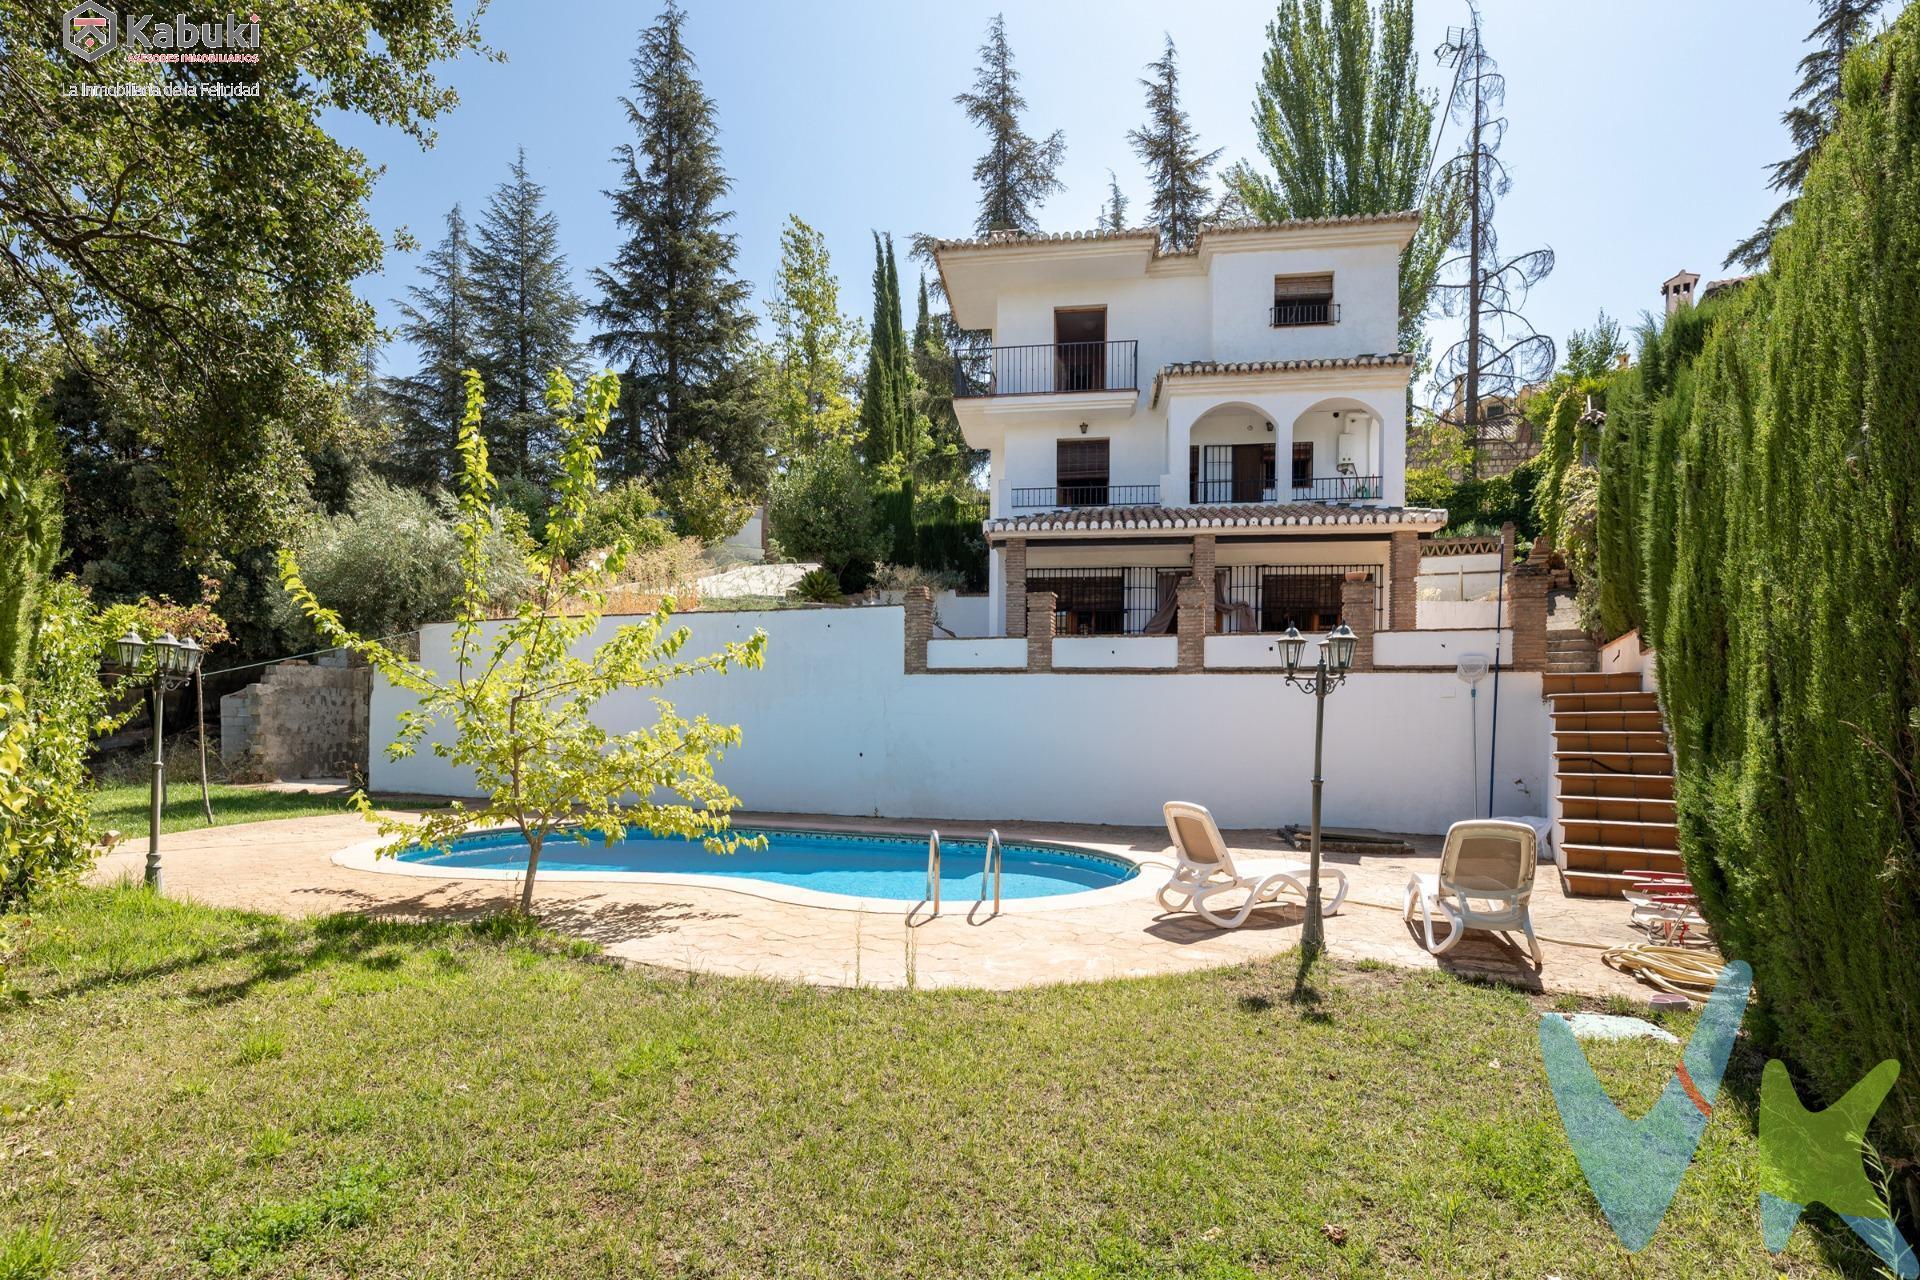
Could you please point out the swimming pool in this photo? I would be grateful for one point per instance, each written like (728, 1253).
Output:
(861, 866)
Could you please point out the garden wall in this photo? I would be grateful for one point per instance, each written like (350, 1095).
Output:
(833, 724)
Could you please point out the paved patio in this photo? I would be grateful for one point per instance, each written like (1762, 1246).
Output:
(286, 868)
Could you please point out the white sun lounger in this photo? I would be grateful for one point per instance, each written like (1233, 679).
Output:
(1485, 882)
(1207, 871)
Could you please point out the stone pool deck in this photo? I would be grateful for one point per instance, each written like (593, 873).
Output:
(287, 868)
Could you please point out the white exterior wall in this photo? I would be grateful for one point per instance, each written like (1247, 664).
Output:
(1366, 288)
(833, 725)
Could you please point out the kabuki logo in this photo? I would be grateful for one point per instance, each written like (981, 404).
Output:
(90, 31)
(1635, 1166)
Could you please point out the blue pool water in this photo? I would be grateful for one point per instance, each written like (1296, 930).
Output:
(863, 866)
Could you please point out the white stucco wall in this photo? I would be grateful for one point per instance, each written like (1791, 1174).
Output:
(833, 725)
(1366, 288)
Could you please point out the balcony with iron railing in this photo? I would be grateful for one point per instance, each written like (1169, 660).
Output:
(1340, 488)
(1309, 311)
(1046, 368)
(1055, 497)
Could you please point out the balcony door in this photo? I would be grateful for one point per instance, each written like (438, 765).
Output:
(1080, 473)
(1080, 349)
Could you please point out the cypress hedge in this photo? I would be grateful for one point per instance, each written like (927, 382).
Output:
(1760, 514)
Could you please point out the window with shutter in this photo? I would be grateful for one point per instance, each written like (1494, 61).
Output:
(1304, 299)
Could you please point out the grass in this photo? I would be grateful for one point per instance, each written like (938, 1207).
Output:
(187, 1092)
(122, 806)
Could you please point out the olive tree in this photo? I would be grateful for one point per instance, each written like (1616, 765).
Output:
(523, 689)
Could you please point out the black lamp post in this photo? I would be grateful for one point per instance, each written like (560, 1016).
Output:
(1328, 674)
(172, 664)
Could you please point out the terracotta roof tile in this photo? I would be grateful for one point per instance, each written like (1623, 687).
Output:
(1227, 369)
(1003, 239)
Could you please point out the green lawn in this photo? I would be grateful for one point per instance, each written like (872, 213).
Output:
(189, 1092)
(122, 807)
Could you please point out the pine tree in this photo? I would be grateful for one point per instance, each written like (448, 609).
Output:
(1170, 148)
(886, 412)
(1341, 120)
(811, 361)
(527, 310)
(441, 322)
(1017, 172)
(672, 315)
(1113, 211)
(1843, 23)
(1501, 352)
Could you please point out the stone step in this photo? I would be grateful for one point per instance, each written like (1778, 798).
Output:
(1613, 809)
(1594, 884)
(1604, 701)
(1592, 682)
(1627, 834)
(1619, 859)
(1578, 666)
(1614, 786)
(1640, 764)
(1631, 741)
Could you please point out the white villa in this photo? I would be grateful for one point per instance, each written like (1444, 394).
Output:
(1235, 412)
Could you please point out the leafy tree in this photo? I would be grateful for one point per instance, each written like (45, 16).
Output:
(672, 314)
(29, 517)
(391, 562)
(195, 258)
(701, 495)
(1592, 353)
(1342, 122)
(1017, 171)
(525, 311)
(521, 700)
(441, 321)
(625, 513)
(822, 508)
(886, 403)
(1170, 148)
(1500, 352)
(1113, 210)
(815, 350)
(1842, 25)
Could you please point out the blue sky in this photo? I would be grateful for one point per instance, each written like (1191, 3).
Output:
(1639, 141)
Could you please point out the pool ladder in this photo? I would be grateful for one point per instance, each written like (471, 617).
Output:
(990, 869)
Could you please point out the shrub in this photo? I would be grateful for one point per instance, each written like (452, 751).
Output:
(45, 726)
(818, 586)
(1776, 485)
(391, 561)
(700, 493)
(905, 577)
(625, 512)
(822, 509)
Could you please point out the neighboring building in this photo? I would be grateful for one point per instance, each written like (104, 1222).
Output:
(1677, 292)
(1235, 412)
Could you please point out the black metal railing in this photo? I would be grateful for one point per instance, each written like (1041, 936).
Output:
(1086, 495)
(1320, 311)
(1323, 489)
(1046, 368)
(1110, 600)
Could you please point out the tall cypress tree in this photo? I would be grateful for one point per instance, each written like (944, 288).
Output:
(441, 321)
(1113, 210)
(672, 315)
(933, 378)
(1843, 23)
(1018, 171)
(526, 311)
(1170, 148)
(29, 518)
(886, 410)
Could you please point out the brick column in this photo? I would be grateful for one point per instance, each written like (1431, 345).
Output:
(1403, 572)
(1013, 559)
(1527, 615)
(1039, 630)
(1506, 544)
(1194, 606)
(1203, 555)
(1356, 610)
(919, 628)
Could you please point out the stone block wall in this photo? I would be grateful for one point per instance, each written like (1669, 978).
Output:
(299, 721)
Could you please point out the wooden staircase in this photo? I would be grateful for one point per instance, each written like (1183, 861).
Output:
(1614, 773)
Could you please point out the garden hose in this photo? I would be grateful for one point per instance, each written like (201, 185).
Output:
(1686, 971)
